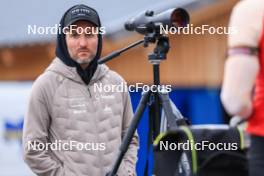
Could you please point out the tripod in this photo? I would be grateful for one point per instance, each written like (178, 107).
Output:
(155, 99)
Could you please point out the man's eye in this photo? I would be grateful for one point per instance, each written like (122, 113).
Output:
(74, 34)
(89, 34)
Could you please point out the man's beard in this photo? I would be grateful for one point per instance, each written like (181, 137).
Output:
(85, 61)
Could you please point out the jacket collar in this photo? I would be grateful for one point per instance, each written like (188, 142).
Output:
(59, 67)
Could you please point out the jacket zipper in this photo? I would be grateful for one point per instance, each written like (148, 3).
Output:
(97, 134)
(89, 92)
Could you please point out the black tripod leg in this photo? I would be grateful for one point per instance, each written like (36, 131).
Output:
(173, 119)
(130, 132)
(156, 115)
(151, 131)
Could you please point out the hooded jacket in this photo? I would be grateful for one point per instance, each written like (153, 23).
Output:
(63, 109)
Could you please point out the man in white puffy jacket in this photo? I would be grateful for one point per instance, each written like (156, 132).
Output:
(71, 128)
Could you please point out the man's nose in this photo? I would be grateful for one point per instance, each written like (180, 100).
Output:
(83, 41)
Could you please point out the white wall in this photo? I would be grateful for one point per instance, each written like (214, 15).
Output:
(13, 102)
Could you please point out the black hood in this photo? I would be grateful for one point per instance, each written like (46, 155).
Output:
(63, 54)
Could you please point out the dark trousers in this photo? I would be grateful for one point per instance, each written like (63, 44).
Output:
(256, 156)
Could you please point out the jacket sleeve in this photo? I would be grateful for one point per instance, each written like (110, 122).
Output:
(35, 131)
(128, 164)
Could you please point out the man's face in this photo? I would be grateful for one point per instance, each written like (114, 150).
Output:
(81, 42)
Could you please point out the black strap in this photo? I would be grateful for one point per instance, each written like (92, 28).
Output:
(243, 50)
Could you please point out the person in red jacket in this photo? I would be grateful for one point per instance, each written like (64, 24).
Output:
(243, 86)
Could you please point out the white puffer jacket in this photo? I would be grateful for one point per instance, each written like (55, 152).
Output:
(63, 111)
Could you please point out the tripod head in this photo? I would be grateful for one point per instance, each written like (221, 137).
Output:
(159, 54)
(161, 49)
